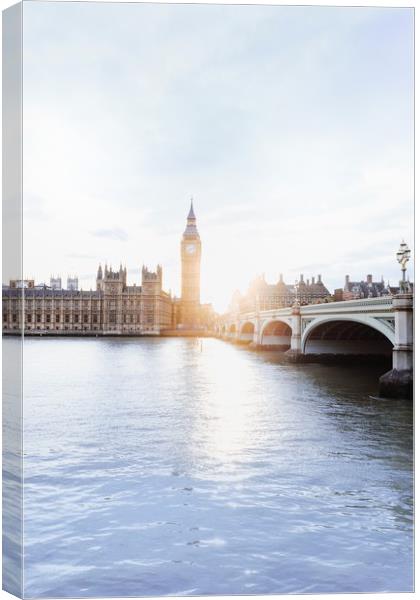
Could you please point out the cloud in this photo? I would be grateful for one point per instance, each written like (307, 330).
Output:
(81, 255)
(291, 126)
(116, 233)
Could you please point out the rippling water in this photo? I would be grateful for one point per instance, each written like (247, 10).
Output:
(174, 466)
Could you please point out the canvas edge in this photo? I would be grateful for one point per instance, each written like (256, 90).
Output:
(12, 266)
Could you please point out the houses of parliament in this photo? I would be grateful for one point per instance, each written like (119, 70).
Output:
(114, 307)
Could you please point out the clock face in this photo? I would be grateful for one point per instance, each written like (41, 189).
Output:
(190, 248)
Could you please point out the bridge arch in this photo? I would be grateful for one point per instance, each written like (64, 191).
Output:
(231, 332)
(276, 332)
(246, 332)
(347, 335)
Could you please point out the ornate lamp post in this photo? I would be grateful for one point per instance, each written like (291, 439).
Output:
(403, 256)
(398, 382)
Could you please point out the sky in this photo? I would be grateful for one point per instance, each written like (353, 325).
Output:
(292, 128)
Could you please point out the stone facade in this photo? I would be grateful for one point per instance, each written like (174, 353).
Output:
(114, 308)
(190, 313)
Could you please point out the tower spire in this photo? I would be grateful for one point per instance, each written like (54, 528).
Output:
(191, 228)
(191, 214)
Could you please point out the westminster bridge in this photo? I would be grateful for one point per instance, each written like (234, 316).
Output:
(355, 328)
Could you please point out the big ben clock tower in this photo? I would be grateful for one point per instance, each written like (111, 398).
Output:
(190, 265)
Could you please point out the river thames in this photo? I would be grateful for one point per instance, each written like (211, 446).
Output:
(182, 466)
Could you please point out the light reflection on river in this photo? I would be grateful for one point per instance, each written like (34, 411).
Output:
(167, 466)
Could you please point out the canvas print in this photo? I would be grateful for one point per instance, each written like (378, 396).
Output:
(207, 299)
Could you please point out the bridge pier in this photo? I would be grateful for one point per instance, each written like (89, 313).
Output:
(295, 354)
(391, 317)
(398, 383)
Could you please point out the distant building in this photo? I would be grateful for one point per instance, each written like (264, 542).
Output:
(264, 296)
(55, 283)
(72, 283)
(22, 283)
(354, 290)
